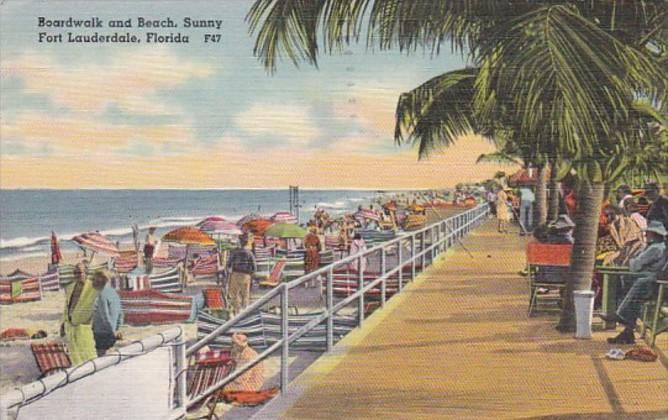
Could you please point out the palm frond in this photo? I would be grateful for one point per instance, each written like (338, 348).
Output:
(285, 28)
(566, 84)
(437, 112)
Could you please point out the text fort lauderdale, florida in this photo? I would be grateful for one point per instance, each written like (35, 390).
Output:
(140, 22)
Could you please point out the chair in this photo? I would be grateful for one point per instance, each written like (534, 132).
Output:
(274, 278)
(209, 368)
(546, 264)
(51, 357)
(213, 298)
(657, 309)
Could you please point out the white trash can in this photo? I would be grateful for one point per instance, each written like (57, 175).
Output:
(584, 308)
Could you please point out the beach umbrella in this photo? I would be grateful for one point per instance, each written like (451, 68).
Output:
(248, 218)
(257, 226)
(285, 230)
(220, 227)
(367, 214)
(283, 217)
(96, 242)
(56, 256)
(188, 236)
(210, 219)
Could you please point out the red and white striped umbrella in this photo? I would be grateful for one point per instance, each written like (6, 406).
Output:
(367, 214)
(97, 242)
(222, 227)
(210, 219)
(248, 218)
(283, 217)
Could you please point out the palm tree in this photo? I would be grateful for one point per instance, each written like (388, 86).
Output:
(561, 74)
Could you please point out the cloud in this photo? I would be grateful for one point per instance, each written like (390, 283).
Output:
(227, 163)
(128, 80)
(72, 135)
(284, 123)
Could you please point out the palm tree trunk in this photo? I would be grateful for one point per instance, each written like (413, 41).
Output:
(554, 187)
(589, 199)
(540, 212)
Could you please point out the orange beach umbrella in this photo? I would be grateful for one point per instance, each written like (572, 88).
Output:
(189, 236)
(257, 226)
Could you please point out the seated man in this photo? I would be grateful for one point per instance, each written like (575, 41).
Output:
(560, 231)
(649, 261)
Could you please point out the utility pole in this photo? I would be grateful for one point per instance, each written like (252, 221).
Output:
(294, 201)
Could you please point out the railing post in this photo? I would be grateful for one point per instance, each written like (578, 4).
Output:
(434, 243)
(285, 349)
(330, 305)
(360, 286)
(400, 264)
(422, 251)
(181, 366)
(412, 257)
(383, 284)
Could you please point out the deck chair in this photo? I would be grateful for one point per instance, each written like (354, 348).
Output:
(209, 367)
(544, 261)
(51, 357)
(213, 298)
(274, 278)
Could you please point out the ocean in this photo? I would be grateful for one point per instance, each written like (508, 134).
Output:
(27, 217)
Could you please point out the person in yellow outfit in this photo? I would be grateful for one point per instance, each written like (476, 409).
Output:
(80, 298)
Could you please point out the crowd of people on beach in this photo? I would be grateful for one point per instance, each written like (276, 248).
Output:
(93, 314)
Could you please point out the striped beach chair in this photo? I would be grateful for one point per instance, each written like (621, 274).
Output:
(127, 262)
(209, 368)
(275, 276)
(50, 357)
(206, 268)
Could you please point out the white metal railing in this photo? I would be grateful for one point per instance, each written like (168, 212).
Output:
(433, 240)
(57, 387)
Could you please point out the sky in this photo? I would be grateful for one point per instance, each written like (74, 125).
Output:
(205, 115)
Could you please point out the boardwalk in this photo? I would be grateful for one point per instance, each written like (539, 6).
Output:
(458, 344)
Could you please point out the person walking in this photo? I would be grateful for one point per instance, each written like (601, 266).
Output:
(241, 266)
(80, 296)
(107, 314)
(356, 246)
(502, 211)
(527, 198)
(150, 247)
(312, 254)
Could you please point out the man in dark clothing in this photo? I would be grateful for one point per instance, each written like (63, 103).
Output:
(659, 209)
(649, 262)
(241, 266)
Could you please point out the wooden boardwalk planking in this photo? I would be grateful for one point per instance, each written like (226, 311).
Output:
(458, 344)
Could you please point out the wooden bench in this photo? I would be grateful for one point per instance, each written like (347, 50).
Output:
(540, 257)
